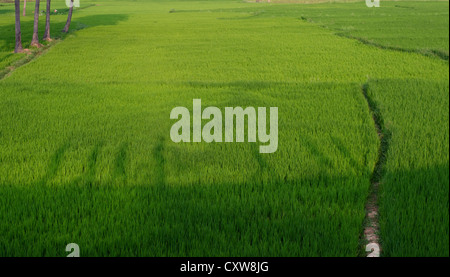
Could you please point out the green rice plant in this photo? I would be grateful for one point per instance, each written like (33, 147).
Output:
(86, 156)
(414, 205)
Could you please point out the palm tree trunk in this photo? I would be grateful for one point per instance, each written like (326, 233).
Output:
(69, 18)
(35, 40)
(47, 23)
(24, 7)
(18, 48)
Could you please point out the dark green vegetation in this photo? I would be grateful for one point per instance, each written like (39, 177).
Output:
(415, 187)
(86, 155)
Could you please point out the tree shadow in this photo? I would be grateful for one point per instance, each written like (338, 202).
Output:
(7, 40)
(6, 11)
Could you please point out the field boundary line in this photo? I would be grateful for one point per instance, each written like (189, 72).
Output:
(431, 53)
(371, 223)
(36, 52)
(425, 52)
(30, 56)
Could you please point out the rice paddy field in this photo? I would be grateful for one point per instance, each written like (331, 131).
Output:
(362, 96)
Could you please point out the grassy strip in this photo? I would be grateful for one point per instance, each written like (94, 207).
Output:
(30, 56)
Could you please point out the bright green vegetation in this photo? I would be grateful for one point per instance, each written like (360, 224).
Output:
(86, 155)
(405, 25)
(10, 60)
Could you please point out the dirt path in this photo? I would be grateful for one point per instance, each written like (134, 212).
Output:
(371, 225)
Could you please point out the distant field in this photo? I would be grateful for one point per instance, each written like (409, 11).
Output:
(86, 157)
(403, 25)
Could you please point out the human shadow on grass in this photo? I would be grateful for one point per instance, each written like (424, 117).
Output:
(197, 219)
(158, 155)
(54, 163)
(305, 215)
(57, 159)
(88, 176)
(247, 211)
(119, 164)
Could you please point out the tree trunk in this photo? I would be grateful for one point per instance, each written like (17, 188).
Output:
(24, 7)
(69, 18)
(35, 40)
(47, 23)
(18, 48)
